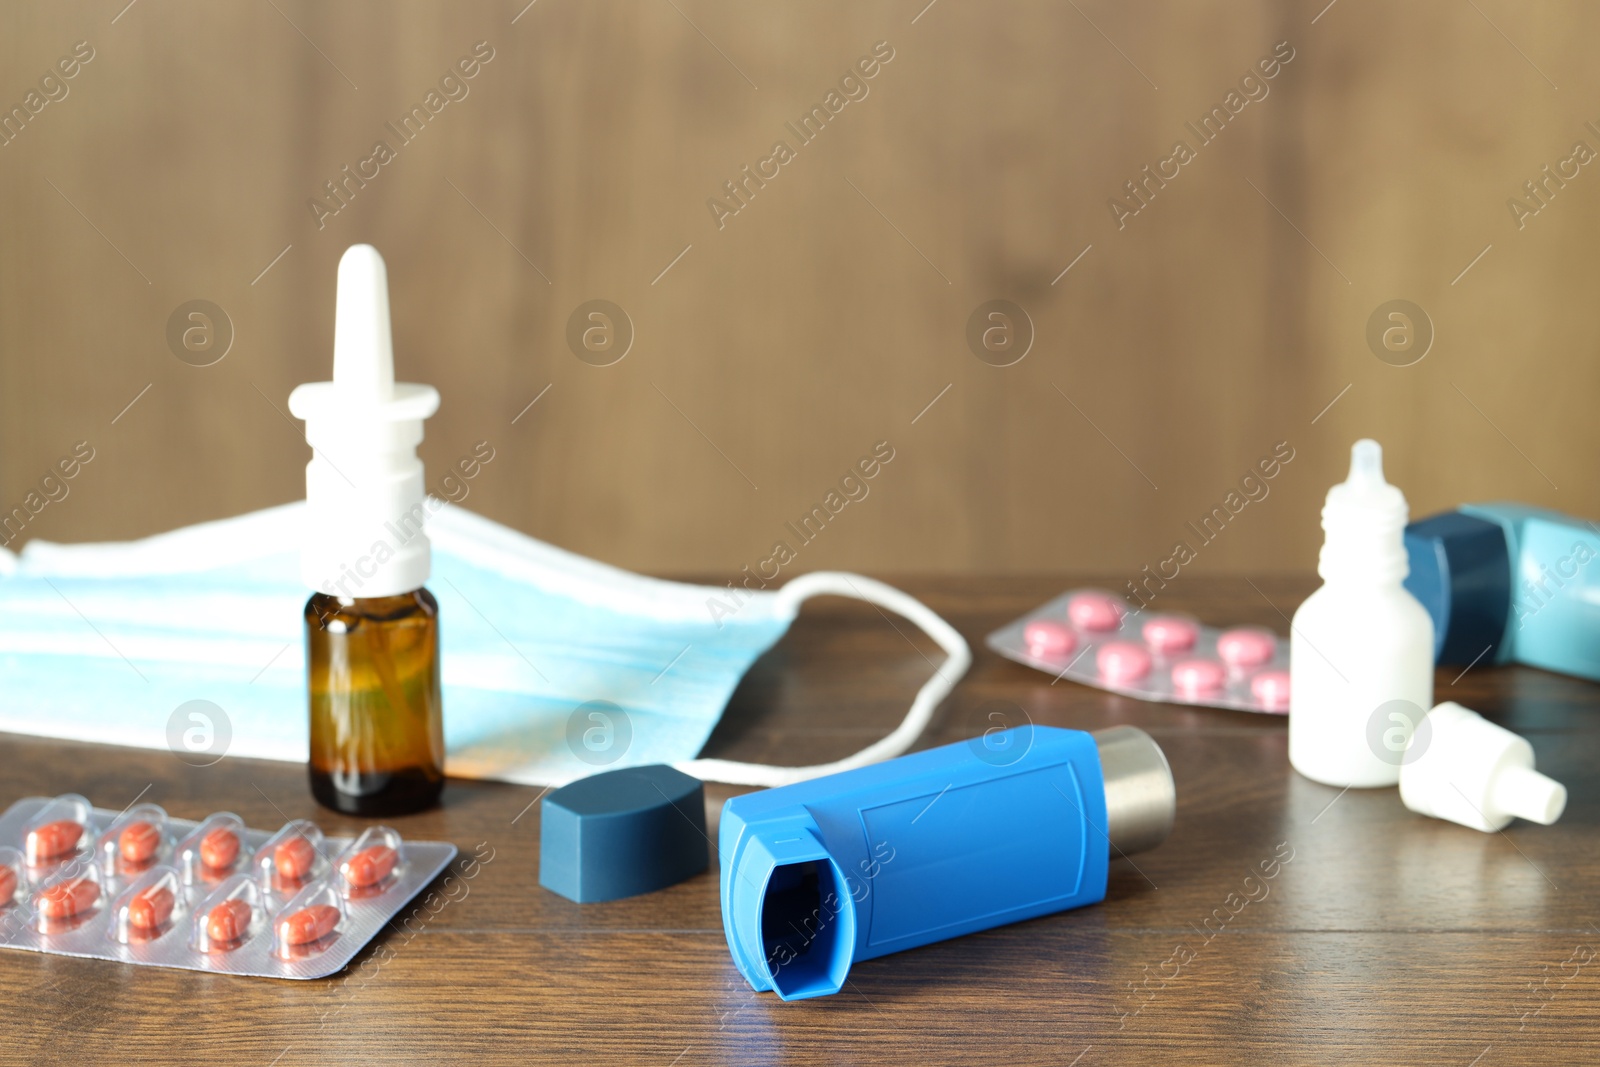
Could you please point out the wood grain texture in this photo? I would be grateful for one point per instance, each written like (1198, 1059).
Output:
(1387, 938)
(831, 310)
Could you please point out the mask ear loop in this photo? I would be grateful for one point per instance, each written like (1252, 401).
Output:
(945, 676)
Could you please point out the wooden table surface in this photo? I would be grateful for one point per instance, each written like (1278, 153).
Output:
(1385, 937)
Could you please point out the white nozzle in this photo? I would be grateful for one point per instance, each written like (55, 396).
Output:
(1527, 794)
(363, 350)
(1470, 771)
(364, 490)
(1365, 486)
(1366, 463)
(1364, 521)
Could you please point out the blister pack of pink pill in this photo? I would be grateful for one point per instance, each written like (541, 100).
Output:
(1092, 637)
(140, 887)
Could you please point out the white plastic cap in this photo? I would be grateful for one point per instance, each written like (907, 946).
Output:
(1364, 521)
(364, 488)
(1472, 772)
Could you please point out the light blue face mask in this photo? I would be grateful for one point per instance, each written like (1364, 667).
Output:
(555, 666)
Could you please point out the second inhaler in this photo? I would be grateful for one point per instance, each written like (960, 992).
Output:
(1507, 582)
(372, 630)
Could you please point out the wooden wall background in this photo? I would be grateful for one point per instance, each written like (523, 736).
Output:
(827, 314)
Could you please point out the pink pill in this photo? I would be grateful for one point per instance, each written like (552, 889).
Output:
(1123, 661)
(1171, 633)
(1046, 637)
(1194, 677)
(1095, 611)
(1272, 689)
(1246, 647)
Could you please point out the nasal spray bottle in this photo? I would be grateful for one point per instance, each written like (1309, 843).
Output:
(1361, 646)
(372, 630)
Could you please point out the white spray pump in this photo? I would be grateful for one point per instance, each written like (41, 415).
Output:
(1361, 646)
(364, 485)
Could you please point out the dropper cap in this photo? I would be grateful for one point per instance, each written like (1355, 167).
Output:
(1470, 771)
(1364, 521)
(364, 484)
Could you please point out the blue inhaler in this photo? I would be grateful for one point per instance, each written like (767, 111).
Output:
(1008, 826)
(1509, 583)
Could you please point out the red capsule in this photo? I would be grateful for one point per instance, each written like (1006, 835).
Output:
(66, 899)
(293, 858)
(308, 925)
(228, 921)
(53, 839)
(138, 842)
(370, 866)
(8, 885)
(150, 909)
(219, 848)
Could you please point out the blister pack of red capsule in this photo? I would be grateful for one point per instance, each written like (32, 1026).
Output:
(142, 888)
(1093, 637)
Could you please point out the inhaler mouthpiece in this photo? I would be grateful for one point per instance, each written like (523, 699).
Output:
(364, 486)
(1472, 772)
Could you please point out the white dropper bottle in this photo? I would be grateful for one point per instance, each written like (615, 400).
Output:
(1361, 646)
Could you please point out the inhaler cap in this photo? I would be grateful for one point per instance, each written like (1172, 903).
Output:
(1476, 773)
(364, 490)
(621, 833)
(1460, 570)
(1363, 519)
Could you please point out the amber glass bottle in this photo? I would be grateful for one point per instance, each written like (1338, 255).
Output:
(377, 729)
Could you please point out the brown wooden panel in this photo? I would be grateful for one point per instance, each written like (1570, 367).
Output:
(832, 308)
(824, 317)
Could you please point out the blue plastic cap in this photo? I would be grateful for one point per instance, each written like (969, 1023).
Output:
(621, 833)
(1461, 572)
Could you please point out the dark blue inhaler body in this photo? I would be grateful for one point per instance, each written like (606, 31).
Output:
(1010, 826)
